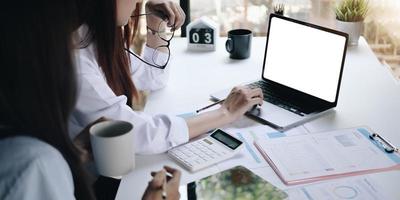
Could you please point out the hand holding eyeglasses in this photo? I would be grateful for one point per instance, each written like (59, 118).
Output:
(159, 40)
(163, 18)
(166, 10)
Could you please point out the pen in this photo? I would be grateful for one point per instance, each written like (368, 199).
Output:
(211, 105)
(164, 188)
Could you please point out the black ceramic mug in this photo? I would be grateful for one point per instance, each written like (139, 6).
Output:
(239, 43)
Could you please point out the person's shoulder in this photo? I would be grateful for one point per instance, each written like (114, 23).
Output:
(31, 163)
(22, 152)
(27, 148)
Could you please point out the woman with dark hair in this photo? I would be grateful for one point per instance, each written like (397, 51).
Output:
(37, 95)
(111, 76)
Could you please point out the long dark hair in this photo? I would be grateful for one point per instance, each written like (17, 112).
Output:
(37, 78)
(110, 42)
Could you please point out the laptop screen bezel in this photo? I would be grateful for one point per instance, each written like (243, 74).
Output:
(327, 103)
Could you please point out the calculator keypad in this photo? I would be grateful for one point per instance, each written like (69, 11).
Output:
(200, 153)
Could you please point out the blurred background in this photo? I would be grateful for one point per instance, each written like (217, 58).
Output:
(381, 27)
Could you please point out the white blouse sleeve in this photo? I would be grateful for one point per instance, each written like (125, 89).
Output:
(152, 134)
(148, 77)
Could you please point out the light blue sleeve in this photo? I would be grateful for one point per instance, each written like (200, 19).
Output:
(35, 171)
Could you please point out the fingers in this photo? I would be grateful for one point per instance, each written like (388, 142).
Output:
(170, 11)
(234, 89)
(158, 179)
(173, 183)
(176, 17)
(245, 96)
(256, 101)
(171, 170)
(256, 92)
(241, 100)
(180, 16)
(254, 96)
(101, 119)
(155, 188)
(176, 174)
(248, 92)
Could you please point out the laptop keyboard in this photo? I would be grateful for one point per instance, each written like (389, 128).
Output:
(274, 98)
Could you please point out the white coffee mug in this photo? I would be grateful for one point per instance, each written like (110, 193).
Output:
(112, 145)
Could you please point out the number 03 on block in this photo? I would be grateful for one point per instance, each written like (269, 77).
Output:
(202, 34)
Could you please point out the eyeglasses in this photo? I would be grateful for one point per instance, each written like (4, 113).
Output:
(166, 34)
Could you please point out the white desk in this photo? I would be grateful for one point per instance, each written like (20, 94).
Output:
(368, 96)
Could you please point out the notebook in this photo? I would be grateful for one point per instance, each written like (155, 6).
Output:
(302, 70)
(319, 156)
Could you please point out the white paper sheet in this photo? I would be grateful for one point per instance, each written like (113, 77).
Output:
(249, 156)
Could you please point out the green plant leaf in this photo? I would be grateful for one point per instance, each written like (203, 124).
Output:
(351, 10)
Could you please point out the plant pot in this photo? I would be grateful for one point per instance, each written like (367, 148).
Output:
(352, 28)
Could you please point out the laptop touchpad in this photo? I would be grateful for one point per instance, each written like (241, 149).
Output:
(276, 114)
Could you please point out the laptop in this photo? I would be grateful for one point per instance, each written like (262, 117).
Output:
(302, 71)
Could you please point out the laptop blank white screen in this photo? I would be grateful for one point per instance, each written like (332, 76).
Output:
(304, 58)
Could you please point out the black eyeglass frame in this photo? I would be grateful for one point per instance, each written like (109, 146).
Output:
(168, 41)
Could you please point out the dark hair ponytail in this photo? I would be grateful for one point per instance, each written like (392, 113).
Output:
(37, 78)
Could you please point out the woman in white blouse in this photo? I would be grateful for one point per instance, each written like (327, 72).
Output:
(38, 160)
(109, 77)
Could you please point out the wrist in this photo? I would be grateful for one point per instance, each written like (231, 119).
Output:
(226, 115)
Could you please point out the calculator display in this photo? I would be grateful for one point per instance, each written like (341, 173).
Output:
(226, 139)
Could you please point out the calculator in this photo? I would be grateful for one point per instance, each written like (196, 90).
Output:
(206, 151)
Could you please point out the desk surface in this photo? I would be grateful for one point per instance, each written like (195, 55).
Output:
(368, 96)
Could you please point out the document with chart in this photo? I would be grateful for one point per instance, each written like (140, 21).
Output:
(249, 156)
(319, 156)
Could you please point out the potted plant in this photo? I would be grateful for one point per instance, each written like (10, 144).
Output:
(350, 15)
(279, 9)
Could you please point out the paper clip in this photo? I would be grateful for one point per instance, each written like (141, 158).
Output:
(389, 148)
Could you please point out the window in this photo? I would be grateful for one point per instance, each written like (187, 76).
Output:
(381, 27)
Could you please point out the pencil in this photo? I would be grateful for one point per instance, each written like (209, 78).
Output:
(211, 105)
(164, 188)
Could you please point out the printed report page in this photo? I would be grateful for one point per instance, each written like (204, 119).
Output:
(315, 155)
